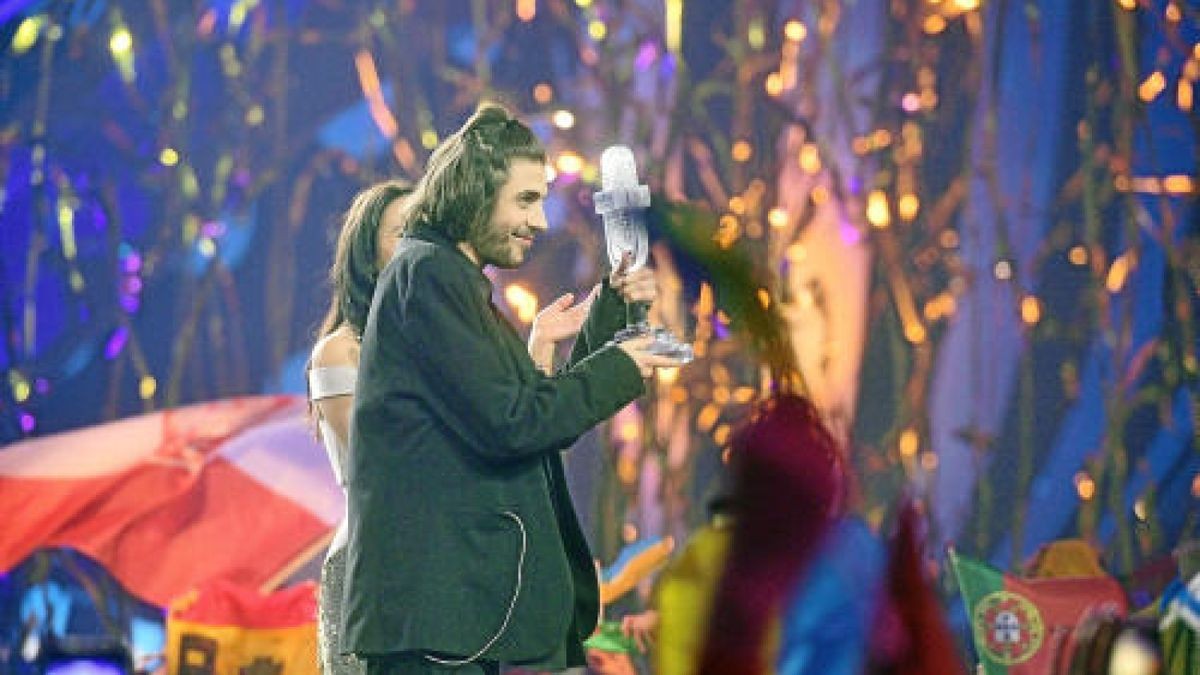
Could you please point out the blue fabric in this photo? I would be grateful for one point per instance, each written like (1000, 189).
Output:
(827, 623)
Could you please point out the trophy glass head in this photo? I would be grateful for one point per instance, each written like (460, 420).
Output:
(626, 237)
(624, 228)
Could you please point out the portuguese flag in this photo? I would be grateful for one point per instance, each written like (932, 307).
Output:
(1025, 626)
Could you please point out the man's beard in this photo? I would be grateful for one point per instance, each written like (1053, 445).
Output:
(495, 246)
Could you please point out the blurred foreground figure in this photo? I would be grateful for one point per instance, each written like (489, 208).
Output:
(789, 483)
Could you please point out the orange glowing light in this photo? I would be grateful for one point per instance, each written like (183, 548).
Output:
(742, 151)
(721, 434)
(908, 206)
(1179, 184)
(1118, 272)
(774, 84)
(795, 30)
(1077, 255)
(526, 10)
(1031, 310)
(764, 298)
(1085, 486)
(810, 158)
(915, 333)
(368, 80)
(523, 302)
(1152, 86)
(569, 163)
(878, 213)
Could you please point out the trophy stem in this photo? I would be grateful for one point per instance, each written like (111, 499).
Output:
(637, 315)
(637, 324)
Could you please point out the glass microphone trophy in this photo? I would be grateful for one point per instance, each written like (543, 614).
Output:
(621, 204)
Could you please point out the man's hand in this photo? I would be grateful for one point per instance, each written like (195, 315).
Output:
(556, 322)
(641, 627)
(637, 286)
(560, 321)
(638, 349)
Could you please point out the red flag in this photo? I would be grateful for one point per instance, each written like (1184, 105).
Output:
(236, 489)
(912, 637)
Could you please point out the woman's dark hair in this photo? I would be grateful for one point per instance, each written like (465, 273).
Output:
(354, 271)
(458, 191)
(355, 265)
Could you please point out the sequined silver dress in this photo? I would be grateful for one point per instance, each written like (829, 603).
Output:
(327, 383)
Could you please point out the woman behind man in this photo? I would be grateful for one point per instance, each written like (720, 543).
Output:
(365, 244)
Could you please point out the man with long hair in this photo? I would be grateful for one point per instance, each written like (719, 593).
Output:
(464, 549)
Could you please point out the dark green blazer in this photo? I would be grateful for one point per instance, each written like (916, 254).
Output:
(462, 536)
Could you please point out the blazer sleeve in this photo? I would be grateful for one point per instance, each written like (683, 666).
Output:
(604, 319)
(500, 412)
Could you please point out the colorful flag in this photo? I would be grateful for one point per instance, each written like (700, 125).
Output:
(237, 489)
(1179, 627)
(1025, 626)
(610, 638)
(634, 563)
(225, 628)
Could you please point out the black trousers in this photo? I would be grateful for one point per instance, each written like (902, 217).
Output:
(413, 663)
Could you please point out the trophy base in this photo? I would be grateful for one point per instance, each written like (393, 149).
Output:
(664, 344)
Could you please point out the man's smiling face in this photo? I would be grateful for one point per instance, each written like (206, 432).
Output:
(517, 217)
